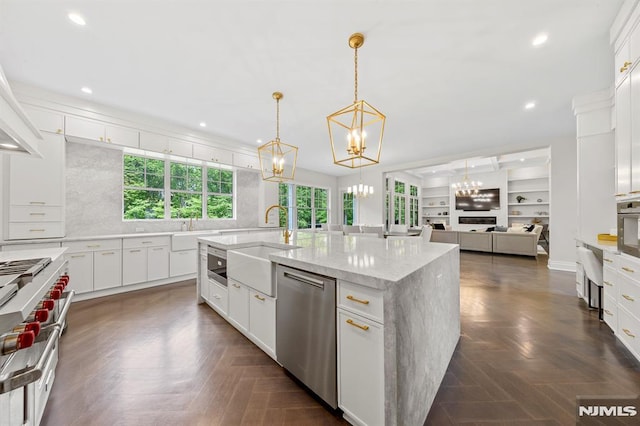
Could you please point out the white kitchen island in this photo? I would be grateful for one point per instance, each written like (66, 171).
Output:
(413, 315)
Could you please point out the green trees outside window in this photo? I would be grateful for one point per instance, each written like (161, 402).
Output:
(308, 207)
(193, 190)
(347, 208)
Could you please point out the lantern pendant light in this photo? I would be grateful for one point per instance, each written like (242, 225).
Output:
(277, 159)
(356, 131)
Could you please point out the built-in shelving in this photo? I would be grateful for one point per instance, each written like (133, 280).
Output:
(532, 184)
(432, 198)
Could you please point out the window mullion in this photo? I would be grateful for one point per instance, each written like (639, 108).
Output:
(167, 189)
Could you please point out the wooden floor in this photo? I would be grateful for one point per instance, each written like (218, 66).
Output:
(155, 357)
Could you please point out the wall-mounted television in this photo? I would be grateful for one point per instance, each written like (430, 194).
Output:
(484, 200)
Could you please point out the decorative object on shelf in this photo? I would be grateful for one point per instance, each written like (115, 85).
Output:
(352, 120)
(520, 198)
(277, 159)
(466, 187)
(439, 213)
(442, 203)
(539, 200)
(515, 212)
(432, 203)
(536, 220)
(445, 213)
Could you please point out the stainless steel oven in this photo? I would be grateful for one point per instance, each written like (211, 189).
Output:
(217, 265)
(628, 220)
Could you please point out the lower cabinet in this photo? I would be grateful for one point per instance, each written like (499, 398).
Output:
(183, 262)
(107, 269)
(145, 259)
(80, 271)
(218, 297)
(360, 366)
(94, 265)
(262, 321)
(157, 263)
(238, 305)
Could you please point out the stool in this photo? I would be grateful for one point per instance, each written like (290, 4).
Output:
(593, 271)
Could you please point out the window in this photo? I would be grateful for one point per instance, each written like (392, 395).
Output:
(413, 206)
(143, 193)
(219, 193)
(348, 208)
(308, 209)
(194, 189)
(399, 204)
(186, 191)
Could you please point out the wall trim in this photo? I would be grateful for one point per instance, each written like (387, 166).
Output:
(560, 265)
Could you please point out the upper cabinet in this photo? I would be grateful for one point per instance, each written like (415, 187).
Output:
(46, 120)
(164, 144)
(83, 130)
(622, 62)
(209, 153)
(246, 161)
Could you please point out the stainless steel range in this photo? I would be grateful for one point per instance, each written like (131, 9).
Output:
(33, 308)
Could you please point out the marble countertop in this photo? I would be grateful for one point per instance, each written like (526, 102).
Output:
(373, 262)
(609, 246)
(53, 253)
(134, 235)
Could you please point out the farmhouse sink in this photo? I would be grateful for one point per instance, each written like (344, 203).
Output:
(188, 240)
(251, 266)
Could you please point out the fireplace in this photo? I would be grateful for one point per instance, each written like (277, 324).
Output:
(477, 220)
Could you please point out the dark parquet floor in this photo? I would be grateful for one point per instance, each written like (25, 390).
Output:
(154, 357)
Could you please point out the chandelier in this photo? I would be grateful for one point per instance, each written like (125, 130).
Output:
(277, 159)
(360, 190)
(362, 146)
(466, 187)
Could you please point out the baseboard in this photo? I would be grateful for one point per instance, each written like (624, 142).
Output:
(558, 265)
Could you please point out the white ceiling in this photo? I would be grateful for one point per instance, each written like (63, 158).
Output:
(452, 76)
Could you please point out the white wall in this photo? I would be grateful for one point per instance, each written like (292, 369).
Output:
(370, 209)
(563, 204)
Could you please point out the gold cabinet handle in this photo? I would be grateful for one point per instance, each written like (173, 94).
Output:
(364, 302)
(40, 203)
(75, 256)
(628, 333)
(101, 139)
(606, 311)
(135, 251)
(625, 66)
(108, 253)
(58, 131)
(237, 286)
(36, 230)
(355, 324)
(93, 245)
(109, 140)
(257, 296)
(608, 260)
(158, 249)
(624, 268)
(621, 195)
(37, 214)
(629, 298)
(147, 242)
(608, 283)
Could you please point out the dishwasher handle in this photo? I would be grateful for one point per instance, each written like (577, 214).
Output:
(304, 279)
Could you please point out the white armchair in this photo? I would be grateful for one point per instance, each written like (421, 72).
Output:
(427, 230)
(400, 229)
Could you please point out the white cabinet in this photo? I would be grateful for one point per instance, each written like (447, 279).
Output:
(45, 120)
(262, 321)
(218, 297)
(36, 192)
(209, 153)
(145, 259)
(164, 144)
(246, 161)
(238, 305)
(360, 354)
(622, 62)
(623, 138)
(79, 129)
(95, 264)
(183, 262)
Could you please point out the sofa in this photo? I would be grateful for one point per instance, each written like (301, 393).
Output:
(516, 240)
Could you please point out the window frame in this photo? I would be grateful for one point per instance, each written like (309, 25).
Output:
(292, 210)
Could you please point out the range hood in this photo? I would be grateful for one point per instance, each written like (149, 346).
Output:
(17, 133)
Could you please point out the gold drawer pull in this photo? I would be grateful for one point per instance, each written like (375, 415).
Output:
(37, 214)
(257, 296)
(237, 286)
(135, 251)
(628, 333)
(108, 253)
(39, 203)
(606, 311)
(624, 268)
(93, 245)
(629, 298)
(634, 192)
(77, 256)
(36, 230)
(147, 242)
(620, 195)
(158, 249)
(608, 283)
(364, 302)
(608, 260)
(362, 327)
(58, 131)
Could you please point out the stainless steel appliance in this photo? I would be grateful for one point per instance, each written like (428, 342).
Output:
(306, 330)
(217, 265)
(31, 321)
(628, 230)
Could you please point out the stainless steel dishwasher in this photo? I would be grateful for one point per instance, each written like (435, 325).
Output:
(306, 330)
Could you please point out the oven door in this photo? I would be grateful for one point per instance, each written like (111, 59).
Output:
(217, 266)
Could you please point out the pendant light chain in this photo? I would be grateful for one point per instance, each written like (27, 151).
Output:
(355, 60)
(277, 119)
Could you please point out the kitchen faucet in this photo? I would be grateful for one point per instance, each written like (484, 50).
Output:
(285, 233)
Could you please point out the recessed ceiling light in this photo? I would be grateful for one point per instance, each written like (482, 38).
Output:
(87, 90)
(203, 124)
(473, 166)
(522, 159)
(539, 40)
(530, 105)
(9, 145)
(259, 141)
(77, 19)
(433, 171)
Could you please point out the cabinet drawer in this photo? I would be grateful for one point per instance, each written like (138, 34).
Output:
(35, 213)
(628, 267)
(32, 230)
(361, 300)
(610, 259)
(218, 296)
(262, 321)
(137, 242)
(629, 330)
(95, 245)
(610, 282)
(629, 295)
(610, 312)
